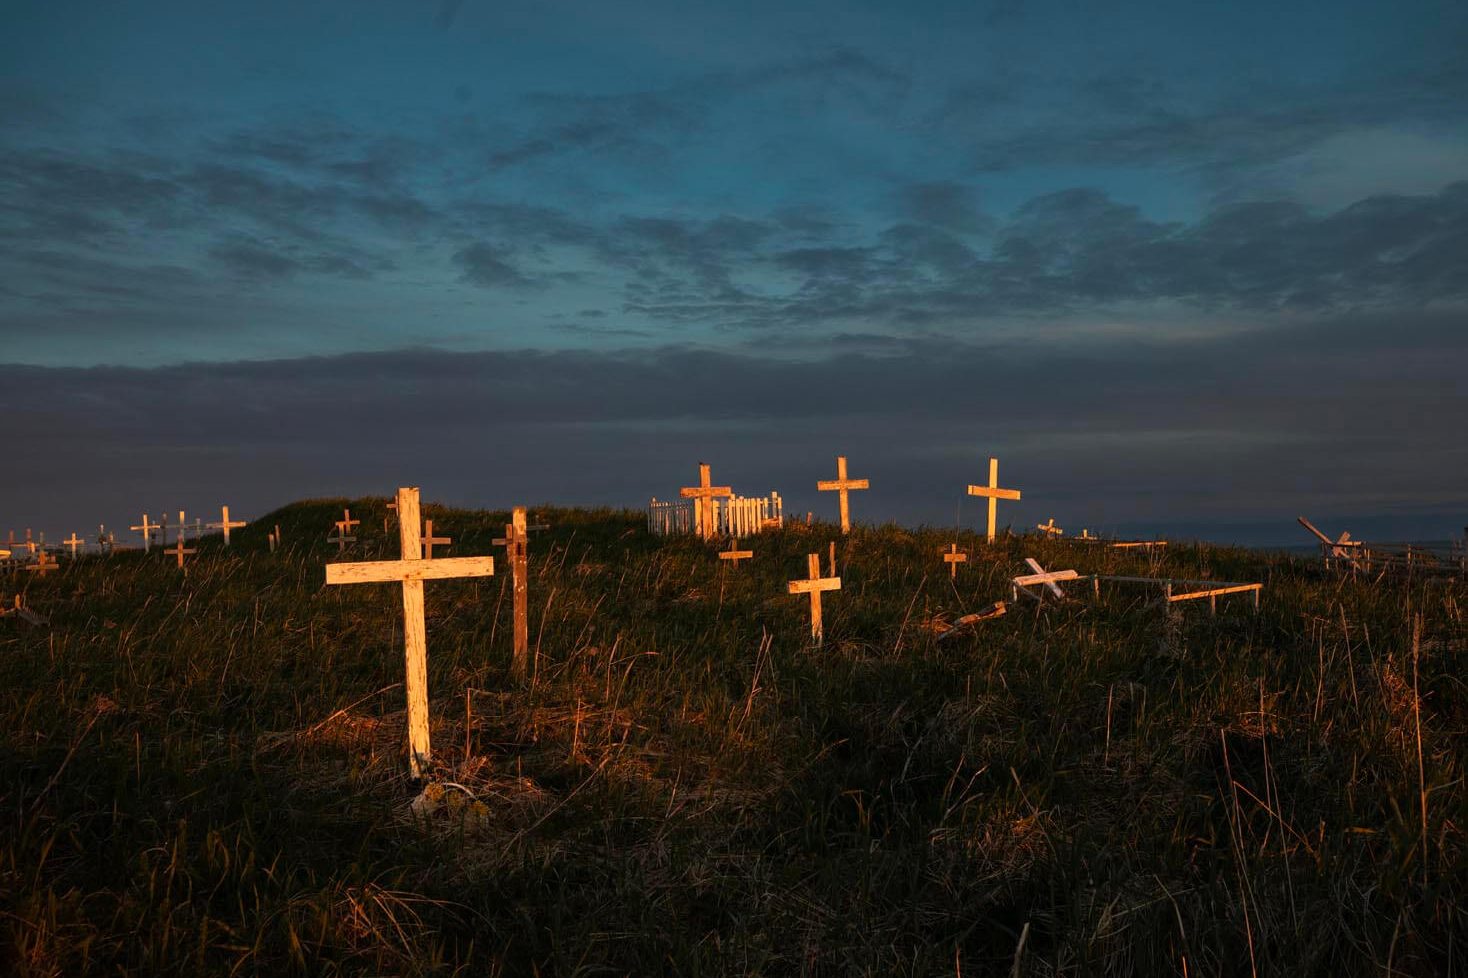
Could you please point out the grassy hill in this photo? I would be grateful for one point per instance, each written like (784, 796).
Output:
(204, 774)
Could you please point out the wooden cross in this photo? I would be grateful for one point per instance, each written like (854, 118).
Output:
(953, 557)
(183, 529)
(813, 585)
(74, 542)
(104, 542)
(19, 610)
(1042, 576)
(44, 564)
(515, 540)
(146, 529)
(1050, 529)
(411, 571)
(224, 523)
(1085, 535)
(347, 521)
(734, 555)
(842, 485)
(430, 541)
(179, 551)
(993, 493)
(703, 495)
(341, 535)
(393, 507)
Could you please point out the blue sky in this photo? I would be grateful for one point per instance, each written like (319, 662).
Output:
(1078, 210)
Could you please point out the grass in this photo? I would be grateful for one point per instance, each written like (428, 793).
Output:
(204, 774)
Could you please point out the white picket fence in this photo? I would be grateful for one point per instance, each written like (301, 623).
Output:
(739, 516)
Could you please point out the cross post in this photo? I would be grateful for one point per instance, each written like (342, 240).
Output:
(994, 494)
(842, 485)
(515, 541)
(411, 571)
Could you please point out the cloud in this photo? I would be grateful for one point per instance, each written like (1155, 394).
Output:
(489, 267)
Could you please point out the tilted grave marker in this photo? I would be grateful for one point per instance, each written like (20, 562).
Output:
(1041, 576)
(841, 484)
(813, 585)
(1050, 529)
(953, 557)
(411, 571)
(225, 523)
(703, 496)
(993, 493)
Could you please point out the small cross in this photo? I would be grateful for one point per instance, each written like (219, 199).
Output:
(1050, 529)
(1085, 535)
(813, 585)
(430, 541)
(953, 557)
(74, 542)
(146, 529)
(224, 523)
(734, 555)
(516, 541)
(703, 496)
(411, 571)
(993, 493)
(179, 551)
(842, 485)
(44, 564)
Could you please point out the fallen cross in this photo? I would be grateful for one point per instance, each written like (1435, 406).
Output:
(1041, 576)
(841, 484)
(995, 610)
(1212, 590)
(19, 610)
(813, 585)
(411, 571)
(953, 557)
(993, 493)
(225, 524)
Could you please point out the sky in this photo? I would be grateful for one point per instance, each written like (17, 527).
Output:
(1187, 269)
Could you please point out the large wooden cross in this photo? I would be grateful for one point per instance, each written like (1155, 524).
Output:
(842, 485)
(224, 523)
(703, 496)
(515, 541)
(411, 571)
(146, 529)
(953, 557)
(813, 585)
(993, 493)
(74, 542)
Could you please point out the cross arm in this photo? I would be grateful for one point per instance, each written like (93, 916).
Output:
(816, 584)
(378, 571)
(831, 485)
(993, 493)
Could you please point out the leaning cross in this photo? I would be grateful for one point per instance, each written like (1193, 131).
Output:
(74, 542)
(430, 541)
(411, 571)
(514, 541)
(953, 557)
(994, 494)
(1050, 529)
(813, 585)
(1042, 576)
(146, 529)
(734, 555)
(842, 485)
(224, 523)
(703, 496)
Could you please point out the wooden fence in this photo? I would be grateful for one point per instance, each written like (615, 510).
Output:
(740, 516)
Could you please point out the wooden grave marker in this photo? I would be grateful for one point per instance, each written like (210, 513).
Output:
(1050, 529)
(180, 551)
(703, 496)
(225, 523)
(146, 529)
(953, 557)
(1041, 576)
(995, 610)
(841, 484)
(19, 610)
(74, 542)
(43, 564)
(993, 493)
(344, 534)
(516, 543)
(813, 585)
(430, 541)
(411, 571)
(734, 555)
(1085, 534)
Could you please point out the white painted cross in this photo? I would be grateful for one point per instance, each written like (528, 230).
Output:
(993, 493)
(703, 496)
(813, 585)
(225, 524)
(411, 571)
(842, 485)
(74, 542)
(146, 529)
(953, 557)
(1050, 529)
(1042, 576)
